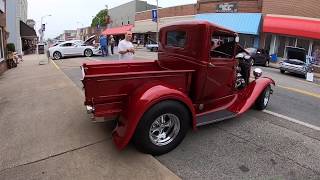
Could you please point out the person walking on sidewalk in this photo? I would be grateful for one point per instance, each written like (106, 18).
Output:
(112, 43)
(104, 45)
(125, 47)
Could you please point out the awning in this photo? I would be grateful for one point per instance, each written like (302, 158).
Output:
(26, 31)
(290, 25)
(117, 30)
(244, 23)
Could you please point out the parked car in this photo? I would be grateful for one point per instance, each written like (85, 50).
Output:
(155, 102)
(152, 47)
(74, 48)
(259, 56)
(295, 62)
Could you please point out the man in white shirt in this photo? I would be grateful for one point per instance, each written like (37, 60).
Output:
(125, 47)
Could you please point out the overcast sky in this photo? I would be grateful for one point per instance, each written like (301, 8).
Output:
(71, 14)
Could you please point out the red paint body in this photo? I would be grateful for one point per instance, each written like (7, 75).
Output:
(125, 90)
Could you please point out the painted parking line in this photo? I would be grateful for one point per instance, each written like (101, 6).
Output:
(300, 91)
(55, 64)
(292, 120)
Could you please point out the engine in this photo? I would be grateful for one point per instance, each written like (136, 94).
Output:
(243, 70)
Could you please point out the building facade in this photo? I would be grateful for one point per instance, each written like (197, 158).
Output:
(3, 65)
(125, 14)
(17, 10)
(291, 23)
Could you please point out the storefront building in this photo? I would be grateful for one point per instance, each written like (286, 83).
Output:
(3, 41)
(241, 16)
(145, 29)
(291, 23)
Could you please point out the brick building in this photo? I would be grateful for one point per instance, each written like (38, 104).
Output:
(291, 23)
(3, 38)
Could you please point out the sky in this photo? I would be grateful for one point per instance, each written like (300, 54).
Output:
(72, 14)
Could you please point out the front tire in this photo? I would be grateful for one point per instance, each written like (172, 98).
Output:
(162, 128)
(88, 53)
(282, 71)
(263, 99)
(57, 55)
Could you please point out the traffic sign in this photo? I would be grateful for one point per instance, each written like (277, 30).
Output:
(154, 14)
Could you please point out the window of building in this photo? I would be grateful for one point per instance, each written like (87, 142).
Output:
(222, 46)
(1, 46)
(316, 52)
(246, 41)
(280, 45)
(176, 39)
(303, 43)
(267, 42)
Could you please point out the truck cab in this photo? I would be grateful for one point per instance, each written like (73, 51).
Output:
(201, 77)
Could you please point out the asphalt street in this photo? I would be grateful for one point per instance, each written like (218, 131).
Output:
(257, 145)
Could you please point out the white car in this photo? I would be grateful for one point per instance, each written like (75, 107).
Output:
(74, 48)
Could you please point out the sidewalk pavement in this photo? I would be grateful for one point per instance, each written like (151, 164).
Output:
(45, 132)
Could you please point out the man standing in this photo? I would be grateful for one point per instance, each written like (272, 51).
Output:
(112, 42)
(104, 45)
(125, 47)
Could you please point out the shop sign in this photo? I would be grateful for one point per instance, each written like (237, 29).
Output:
(227, 8)
(2, 8)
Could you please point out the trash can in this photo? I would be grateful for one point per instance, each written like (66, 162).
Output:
(274, 57)
(40, 48)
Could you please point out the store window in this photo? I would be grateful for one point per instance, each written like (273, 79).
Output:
(303, 43)
(291, 41)
(1, 46)
(281, 43)
(246, 41)
(267, 42)
(316, 52)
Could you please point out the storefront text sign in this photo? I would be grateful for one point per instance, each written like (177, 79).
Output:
(227, 8)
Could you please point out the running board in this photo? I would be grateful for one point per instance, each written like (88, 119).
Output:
(214, 117)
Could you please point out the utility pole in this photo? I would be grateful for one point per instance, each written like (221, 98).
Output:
(41, 29)
(157, 38)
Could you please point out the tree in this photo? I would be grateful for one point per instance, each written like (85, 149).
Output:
(101, 19)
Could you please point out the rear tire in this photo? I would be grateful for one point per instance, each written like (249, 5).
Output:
(162, 128)
(263, 99)
(88, 53)
(282, 71)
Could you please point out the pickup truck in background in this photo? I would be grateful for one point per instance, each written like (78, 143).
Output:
(155, 102)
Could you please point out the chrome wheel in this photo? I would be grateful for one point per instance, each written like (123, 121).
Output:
(88, 53)
(266, 97)
(164, 129)
(57, 55)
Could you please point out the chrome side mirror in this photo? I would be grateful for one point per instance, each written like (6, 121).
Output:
(257, 72)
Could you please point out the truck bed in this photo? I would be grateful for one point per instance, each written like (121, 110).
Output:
(109, 85)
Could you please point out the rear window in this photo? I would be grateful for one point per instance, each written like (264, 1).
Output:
(176, 39)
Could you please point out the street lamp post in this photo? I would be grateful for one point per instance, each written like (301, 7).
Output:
(157, 38)
(41, 30)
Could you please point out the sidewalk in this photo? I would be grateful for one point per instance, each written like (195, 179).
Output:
(45, 132)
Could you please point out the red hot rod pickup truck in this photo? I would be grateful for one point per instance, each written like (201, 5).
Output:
(201, 76)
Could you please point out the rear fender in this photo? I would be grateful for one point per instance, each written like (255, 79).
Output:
(139, 103)
(248, 96)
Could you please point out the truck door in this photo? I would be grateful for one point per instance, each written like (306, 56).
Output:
(221, 73)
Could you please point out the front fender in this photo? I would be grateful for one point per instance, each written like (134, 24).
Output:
(248, 96)
(139, 102)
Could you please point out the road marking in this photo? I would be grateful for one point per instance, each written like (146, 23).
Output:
(55, 64)
(300, 91)
(292, 120)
